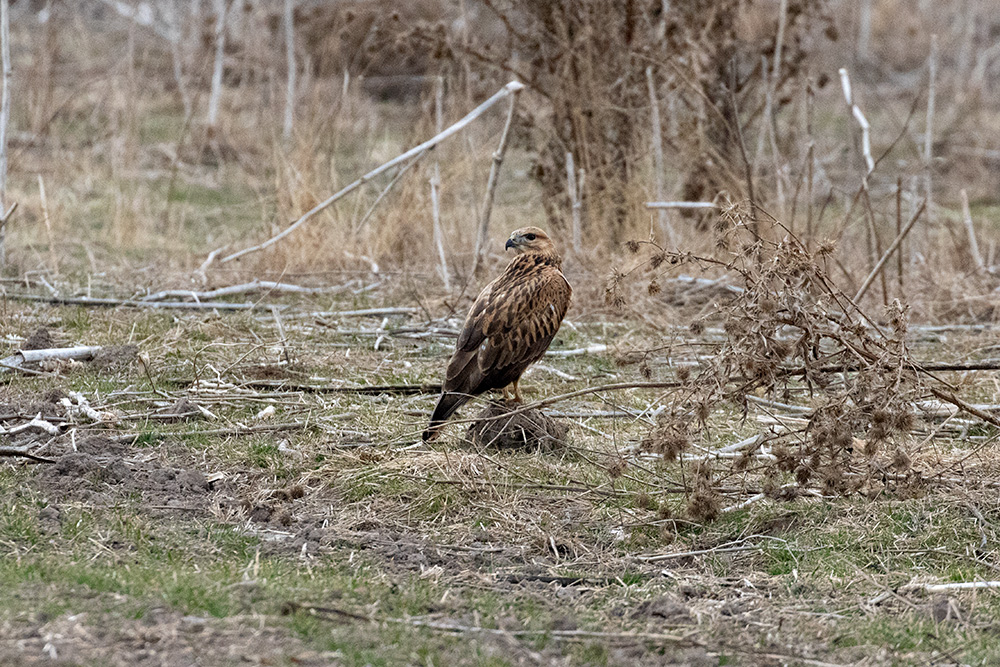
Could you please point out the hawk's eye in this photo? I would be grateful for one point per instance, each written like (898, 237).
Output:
(530, 237)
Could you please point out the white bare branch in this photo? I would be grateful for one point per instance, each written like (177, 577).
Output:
(509, 89)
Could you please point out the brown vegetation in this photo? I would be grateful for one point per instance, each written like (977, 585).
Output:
(769, 423)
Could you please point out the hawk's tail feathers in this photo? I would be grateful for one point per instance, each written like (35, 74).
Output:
(446, 406)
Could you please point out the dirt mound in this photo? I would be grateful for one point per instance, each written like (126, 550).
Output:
(273, 372)
(532, 429)
(99, 470)
(40, 339)
(48, 405)
(115, 357)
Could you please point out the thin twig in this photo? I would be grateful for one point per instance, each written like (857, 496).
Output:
(866, 138)
(681, 204)
(5, 64)
(491, 183)
(252, 286)
(222, 432)
(889, 251)
(438, 231)
(289, 21)
(18, 359)
(53, 259)
(440, 626)
(944, 588)
(368, 312)
(970, 231)
(130, 303)
(658, 162)
(575, 203)
(378, 200)
(929, 132)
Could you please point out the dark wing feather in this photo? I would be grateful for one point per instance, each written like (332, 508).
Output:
(509, 327)
(526, 325)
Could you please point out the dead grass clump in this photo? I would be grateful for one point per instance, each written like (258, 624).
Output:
(704, 502)
(532, 429)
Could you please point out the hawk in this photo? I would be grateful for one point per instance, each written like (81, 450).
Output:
(509, 326)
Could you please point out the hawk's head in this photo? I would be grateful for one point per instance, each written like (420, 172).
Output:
(531, 240)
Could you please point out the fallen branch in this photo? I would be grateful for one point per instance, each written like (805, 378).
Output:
(681, 204)
(130, 438)
(699, 552)
(292, 607)
(596, 348)
(565, 581)
(200, 272)
(866, 128)
(877, 269)
(511, 88)
(944, 588)
(366, 312)
(929, 367)
(36, 422)
(18, 359)
(494, 177)
(965, 407)
(14, 452)
(573, 394)
(130, 303)
(385, 191)
(942, 409)
(970, 231)
(396, 389)
(252, 286)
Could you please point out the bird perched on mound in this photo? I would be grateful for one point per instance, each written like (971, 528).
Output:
(509, 326)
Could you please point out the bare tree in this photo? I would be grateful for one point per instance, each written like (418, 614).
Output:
(221, 13)
(4, 121)
(176, 30)
(290, 56)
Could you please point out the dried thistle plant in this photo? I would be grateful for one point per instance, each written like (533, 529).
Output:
(790, 331)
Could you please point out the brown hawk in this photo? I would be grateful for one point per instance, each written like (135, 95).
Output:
(509, 326)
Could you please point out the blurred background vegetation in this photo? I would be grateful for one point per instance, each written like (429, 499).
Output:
(145, 135)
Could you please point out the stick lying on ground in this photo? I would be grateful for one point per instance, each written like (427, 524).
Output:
(252, 286)
(112, 303)
(447, 626)
(18, 359)
(944, 588)
(13, 452)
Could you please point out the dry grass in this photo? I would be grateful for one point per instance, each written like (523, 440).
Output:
(348, 513)
(644, 540)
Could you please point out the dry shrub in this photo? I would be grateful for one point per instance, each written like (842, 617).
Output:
(585, 65)
(792, 332)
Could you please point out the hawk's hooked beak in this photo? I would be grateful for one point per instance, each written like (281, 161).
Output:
(510, 244)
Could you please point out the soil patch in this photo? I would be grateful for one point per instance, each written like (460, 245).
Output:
(100, 471)
(160, 638)
(40, 339)
(115, 357)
